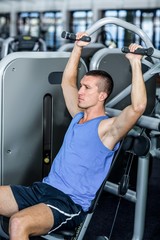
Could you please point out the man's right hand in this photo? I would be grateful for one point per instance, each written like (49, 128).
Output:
(80, 43)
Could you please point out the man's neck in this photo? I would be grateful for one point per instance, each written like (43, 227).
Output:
(91, 115)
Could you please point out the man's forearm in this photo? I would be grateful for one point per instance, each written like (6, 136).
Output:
(138, 93)
(71, 69)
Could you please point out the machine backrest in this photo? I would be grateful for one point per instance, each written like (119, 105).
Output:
(33, 115)
(87, 52)
(116, 64)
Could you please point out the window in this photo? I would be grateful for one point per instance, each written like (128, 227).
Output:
(29, 24)
(51, 29)
(147, 20)
(114, 33)
(4, 26)
(80, 20)
(157, 29)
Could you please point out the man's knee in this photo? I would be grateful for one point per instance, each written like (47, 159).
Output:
(17, 223)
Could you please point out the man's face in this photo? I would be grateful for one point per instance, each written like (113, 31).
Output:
(88, 95)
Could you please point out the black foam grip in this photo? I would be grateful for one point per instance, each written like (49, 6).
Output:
(141, 51)
(72, 36)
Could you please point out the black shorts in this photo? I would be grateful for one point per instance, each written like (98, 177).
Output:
(66, 213)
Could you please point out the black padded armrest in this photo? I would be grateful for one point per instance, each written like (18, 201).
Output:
(138, 145)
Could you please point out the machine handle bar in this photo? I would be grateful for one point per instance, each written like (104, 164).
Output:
(142, 51)
(129, 26)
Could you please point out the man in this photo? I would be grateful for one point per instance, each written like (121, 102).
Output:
(83, 161)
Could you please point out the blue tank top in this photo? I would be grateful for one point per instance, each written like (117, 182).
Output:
(82, 162)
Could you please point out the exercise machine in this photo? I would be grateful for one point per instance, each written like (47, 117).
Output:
(107, 59)
(20, 80)
(22, 43)
(87, 51)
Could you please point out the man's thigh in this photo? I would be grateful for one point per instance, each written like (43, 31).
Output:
(64, 211)
(8, 204)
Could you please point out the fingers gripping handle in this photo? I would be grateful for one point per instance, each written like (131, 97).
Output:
(72, 36)
(141, 51)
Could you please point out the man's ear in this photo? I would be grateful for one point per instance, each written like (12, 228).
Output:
(102, 96)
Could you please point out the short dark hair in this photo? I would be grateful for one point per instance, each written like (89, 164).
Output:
(106, 84)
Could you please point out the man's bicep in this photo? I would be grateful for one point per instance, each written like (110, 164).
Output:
(124, 122)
